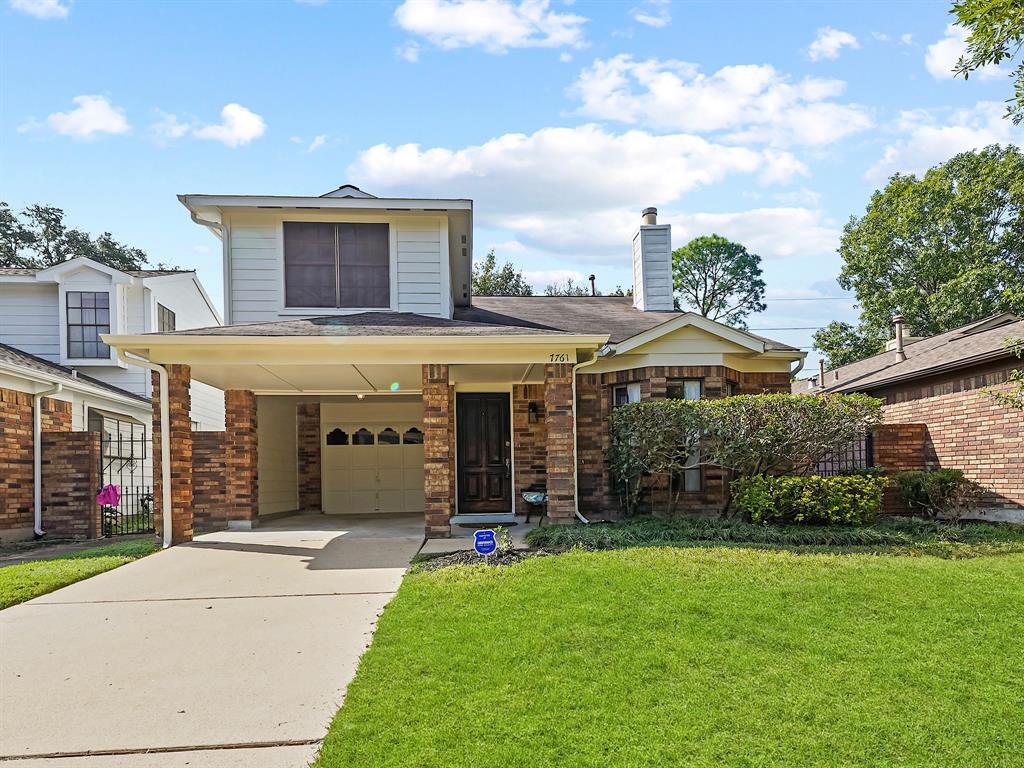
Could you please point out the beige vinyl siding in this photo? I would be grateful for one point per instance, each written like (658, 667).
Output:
(29, 319)
(419, 264)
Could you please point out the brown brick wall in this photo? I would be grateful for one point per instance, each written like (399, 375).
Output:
(529, 438)
(209, 480)
(594, 404)
(307, 448)
(16, 450)
(898, 448)
(71, 479)
(970, 431)
(438, 450)
(179, 377)
(559, 442)
(241, 447)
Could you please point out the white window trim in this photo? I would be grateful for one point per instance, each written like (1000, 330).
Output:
(115, 322)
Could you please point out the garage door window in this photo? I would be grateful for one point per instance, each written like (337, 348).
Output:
(337, 437)
(362, 436)
(388, 436)
(412, 436)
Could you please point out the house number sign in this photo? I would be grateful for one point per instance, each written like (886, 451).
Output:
(558, 357)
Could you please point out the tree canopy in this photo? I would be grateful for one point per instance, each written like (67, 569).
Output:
(39, 238)
(490, 280)
(719, 279)
(942, 250)
(995, 33)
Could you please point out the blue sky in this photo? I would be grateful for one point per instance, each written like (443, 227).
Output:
(770, 123)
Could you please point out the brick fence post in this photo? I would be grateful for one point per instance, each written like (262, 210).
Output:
(898, 448)
(560, 446)
(438, 451)
(180, 402)
(241, 451)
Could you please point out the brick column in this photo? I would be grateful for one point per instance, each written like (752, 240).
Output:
(560, 449)
(180, 401)
(307, 454)
(241, 454)
(438, 451)
(898, 448)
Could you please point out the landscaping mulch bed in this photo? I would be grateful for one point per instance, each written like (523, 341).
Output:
(468, 557)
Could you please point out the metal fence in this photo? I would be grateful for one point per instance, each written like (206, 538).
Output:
(855, 458)
(125, 461)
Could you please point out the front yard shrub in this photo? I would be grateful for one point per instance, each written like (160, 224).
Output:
(810, 499)
(936, 493)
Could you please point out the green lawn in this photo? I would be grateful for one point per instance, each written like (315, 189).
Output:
(700, 656)
(19, 583)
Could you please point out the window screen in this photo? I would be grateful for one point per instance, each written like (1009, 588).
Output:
(683, 389)
(337, 265)
(88, 317)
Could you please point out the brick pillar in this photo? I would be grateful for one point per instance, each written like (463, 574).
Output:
(178, 379)
(307, 450)
(560, 449)
(898, 448)
(438, 451)
(241, 454)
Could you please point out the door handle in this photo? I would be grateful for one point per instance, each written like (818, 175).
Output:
(508, 467)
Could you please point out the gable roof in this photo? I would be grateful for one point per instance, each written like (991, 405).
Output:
(614, 315)
(973, 343)
(21, 359)
(30, 271)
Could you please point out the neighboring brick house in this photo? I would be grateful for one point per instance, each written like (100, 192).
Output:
(361, 375)
(942, 383)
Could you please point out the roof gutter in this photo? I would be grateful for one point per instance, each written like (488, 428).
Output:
(37, 458)
(225, 244)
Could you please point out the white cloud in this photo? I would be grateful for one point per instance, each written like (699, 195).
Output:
(200, 249)
(802, 196)
(42, 9)
(410, 51)
(907, 38)
(167, 128)
(930, 137)
(507, 246)
(541, 278)
(756, 102)
(92, 115)
(238, 127)
(565, 57)
(772, 233)
(317, 142)
(829, 43)
(494, 25)
(653, 13)
(941, 56)
(566, 190)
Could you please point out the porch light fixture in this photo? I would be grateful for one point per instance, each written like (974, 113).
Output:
(360, 396)
(394, 386)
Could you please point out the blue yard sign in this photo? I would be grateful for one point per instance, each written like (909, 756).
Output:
(484, 542)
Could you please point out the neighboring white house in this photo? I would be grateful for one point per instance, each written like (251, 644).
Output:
(57, 314)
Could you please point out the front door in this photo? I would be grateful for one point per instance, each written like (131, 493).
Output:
(484, 450)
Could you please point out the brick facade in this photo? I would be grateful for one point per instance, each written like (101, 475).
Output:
(307, 448)
(241, 453)
(969, 430)
(180, 429)
(209, 480)
(70, 480)
(529, 438)
(559, 442)
(16, 455)
(438, 450)
(898, 448)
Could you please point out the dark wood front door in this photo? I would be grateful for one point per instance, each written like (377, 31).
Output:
(484, 449)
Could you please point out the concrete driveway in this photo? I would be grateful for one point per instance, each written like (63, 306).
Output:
(234, 650)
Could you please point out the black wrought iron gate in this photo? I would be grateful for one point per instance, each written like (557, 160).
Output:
(125, 462)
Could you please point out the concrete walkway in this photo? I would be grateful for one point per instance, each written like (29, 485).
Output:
(234, 650)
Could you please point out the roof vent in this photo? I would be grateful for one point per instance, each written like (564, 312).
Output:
(348, 190)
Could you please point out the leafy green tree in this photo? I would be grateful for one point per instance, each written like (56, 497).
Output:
(490, 280)
(719, 279)
(569, 288)
(1014, 397)
(995, 34)
(943, 250)
(39, 238)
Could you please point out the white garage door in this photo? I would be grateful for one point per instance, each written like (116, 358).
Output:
(372, 467)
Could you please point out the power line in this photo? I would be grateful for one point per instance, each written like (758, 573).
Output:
(817, 298)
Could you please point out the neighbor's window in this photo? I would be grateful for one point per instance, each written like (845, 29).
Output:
(625, 393)
(165, 319)
(88, 317)
(337, 265)
(683, 389)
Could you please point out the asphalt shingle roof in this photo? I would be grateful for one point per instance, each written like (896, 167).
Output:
(15, 356)
(29, 271)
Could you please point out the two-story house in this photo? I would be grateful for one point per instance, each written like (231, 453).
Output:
(362, 376)
(51, 324)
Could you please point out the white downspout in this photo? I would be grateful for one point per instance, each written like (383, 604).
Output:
(225, 245)
(575, 438)
(37, 458)
(165, 440)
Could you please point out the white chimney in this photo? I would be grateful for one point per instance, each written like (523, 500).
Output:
(652, 264)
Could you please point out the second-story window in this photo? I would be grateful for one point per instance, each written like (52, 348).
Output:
(337, 265)
(88, 317)
(165, 319)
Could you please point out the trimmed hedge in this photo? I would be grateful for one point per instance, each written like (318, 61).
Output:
(810, 499)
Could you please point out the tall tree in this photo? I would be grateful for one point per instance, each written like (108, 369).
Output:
(942, 250)
(995, 33)
(490, 280)
(719, 279)
(39, 238)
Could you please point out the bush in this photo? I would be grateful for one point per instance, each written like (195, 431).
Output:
(937, 493)
(810, 500)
